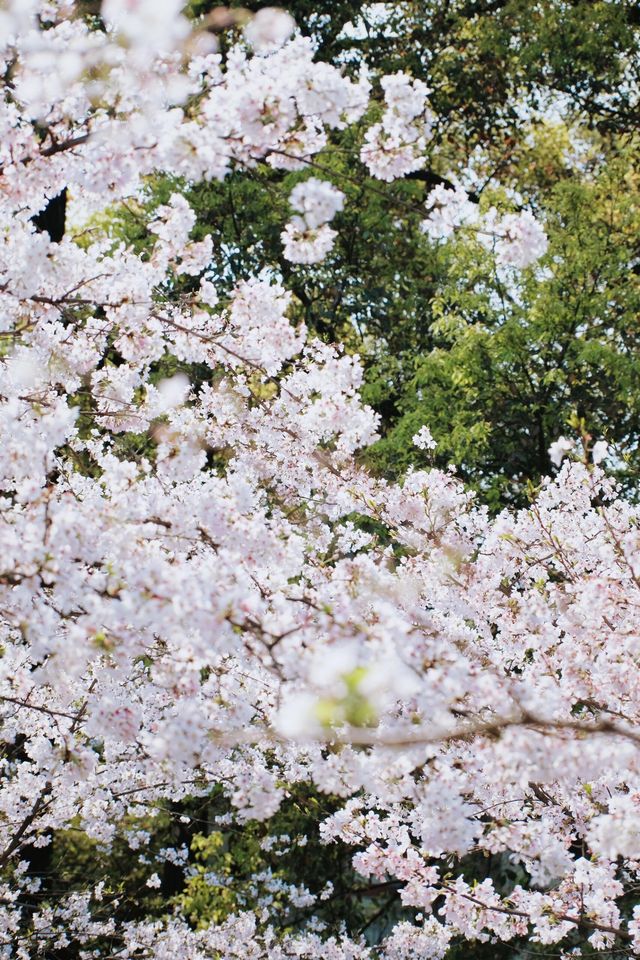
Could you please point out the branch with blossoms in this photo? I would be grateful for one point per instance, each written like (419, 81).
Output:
(201, 589)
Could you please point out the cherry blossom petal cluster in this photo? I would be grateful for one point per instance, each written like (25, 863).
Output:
(396, 145)
(307, 238)
(202, 587)
(517, 239)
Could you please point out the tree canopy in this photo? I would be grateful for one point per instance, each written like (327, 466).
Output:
(536, 108)
(320, 397)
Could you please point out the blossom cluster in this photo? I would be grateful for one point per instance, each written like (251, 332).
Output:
(396, 145)
(517, 239)
(307, 238)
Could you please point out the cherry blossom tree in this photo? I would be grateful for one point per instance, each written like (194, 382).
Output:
(202, 588)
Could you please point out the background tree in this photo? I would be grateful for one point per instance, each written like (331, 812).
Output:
(537, 106)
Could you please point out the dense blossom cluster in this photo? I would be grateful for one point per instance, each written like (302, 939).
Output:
(395, 146)
(308, 238)
(241, 604)
(517, 238)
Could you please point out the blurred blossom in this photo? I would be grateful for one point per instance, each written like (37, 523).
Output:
(559, 449)
(269, 29)
(174, 391)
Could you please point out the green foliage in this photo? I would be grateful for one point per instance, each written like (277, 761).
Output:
(235, 866)
(512, 366)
